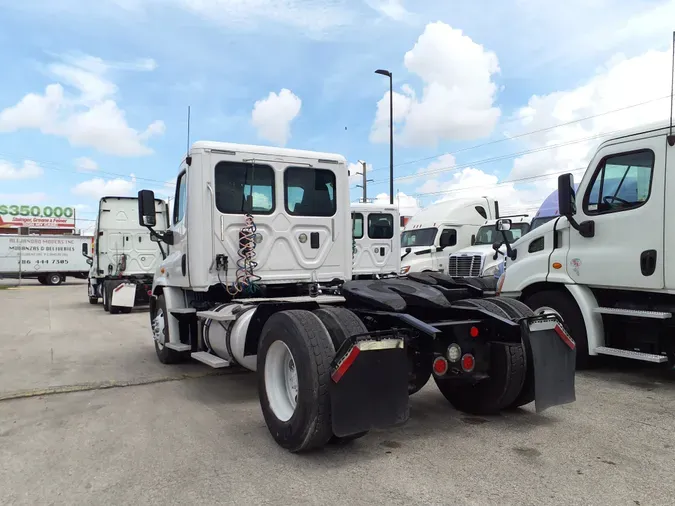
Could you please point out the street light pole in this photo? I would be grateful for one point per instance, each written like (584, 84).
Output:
(391, 132)
(365, 182)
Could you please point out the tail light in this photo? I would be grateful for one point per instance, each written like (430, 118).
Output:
(440, 366)
(468, 362)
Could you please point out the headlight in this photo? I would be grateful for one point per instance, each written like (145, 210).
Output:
(404, 270)
(491, 271)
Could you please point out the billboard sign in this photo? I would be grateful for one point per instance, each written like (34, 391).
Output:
(16, 216)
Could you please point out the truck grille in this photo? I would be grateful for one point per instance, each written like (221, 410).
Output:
(464, 266)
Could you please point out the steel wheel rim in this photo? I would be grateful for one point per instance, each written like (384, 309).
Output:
(281, 380)
(158, 329)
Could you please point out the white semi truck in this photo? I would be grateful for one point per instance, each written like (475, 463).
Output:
(602, 265)
(483, 258)
(48, 258)
(441, 229)
(376, 236)
(257, 234)
(124, 255)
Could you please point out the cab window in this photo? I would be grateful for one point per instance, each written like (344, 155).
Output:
(181, 199)
(621, 182)
(309, 192)
(244, 188)
(380, 226)
(357, 225)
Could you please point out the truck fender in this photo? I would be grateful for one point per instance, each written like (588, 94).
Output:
(586, 301)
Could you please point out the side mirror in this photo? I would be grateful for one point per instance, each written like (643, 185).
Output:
(503, 224)
(90, 261)
(566, 205)
(408, 250)
(147, 216)
(473, 239)
(85, 249)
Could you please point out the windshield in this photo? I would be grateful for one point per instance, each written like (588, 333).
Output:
(419, 237)
(489, 234)
(538, 222)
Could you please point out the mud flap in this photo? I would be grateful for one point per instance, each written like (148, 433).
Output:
(123, 295)
(369, 385)
(554, 355)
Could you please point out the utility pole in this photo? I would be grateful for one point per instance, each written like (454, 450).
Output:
(365, 182)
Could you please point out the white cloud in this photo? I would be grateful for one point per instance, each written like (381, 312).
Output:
(407, 205)
(89, 116)
(457, 100)
(617, 85)
(272, 116)
(29, 170)
(84, 164)
(393, 9)
(99, 187)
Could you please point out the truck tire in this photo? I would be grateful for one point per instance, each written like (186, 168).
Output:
(106, 296)
(499, 391)
(42, 280)
(54, 279)
(566, 307)
(294, 356)
(341, 324)
(517, 309)
(159, 322)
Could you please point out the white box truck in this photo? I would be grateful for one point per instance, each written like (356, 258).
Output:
(376, 240)
(257, 232)
(602, 265)
(441, 229)
(124, 255)
(48, 258)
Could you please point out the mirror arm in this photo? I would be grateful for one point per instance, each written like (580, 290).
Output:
(585, 228)
(163, 237)
(509, 251)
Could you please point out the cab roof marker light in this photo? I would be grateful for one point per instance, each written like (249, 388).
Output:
(321, 160)
(222, 152)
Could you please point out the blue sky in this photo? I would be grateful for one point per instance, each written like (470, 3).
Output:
(111, 82)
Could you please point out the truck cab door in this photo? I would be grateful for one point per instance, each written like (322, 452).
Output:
(622, 193)
(381, 236)
(176, 263)
(439, 254)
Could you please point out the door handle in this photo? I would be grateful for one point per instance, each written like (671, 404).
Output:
(648, 262)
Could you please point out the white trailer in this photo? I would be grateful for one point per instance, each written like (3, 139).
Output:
(48, 258)
(602, 265)
(124, 255)
(257, 233)
(441, 229)
(376, 236)
(483, 258)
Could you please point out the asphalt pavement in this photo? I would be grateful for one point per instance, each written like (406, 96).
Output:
(89, 416)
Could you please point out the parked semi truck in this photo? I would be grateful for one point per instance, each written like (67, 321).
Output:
(483, 258)
(257, 233)
(48, 258)
(376, 236)
(602, 265)
(123, 255)
(441, 229)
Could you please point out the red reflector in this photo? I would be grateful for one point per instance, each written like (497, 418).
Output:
(474, 331)
(565, 337)
(440, 366)
(468, 363)
(150, 293)
(346, 364)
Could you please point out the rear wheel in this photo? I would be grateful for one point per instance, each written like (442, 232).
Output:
(341, 324)
(565, 307)
(293, 366)
(106, 296)
(42, 280)
(54, 279)
(489, 396)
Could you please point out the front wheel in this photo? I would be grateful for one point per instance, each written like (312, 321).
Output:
(159, 322)
(293, 366)
(565, 307)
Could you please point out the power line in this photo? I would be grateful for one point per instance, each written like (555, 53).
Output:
(499, 158)
(497, 141)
